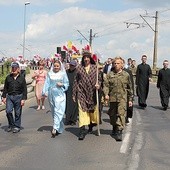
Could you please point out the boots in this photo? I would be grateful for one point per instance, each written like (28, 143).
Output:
(82, 133)
(91, 125)
(118, 135)
(114, 131)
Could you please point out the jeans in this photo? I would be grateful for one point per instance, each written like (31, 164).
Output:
(14, 102)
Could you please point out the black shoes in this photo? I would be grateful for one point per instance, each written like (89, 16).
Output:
(165, 108)
(126, 120)
(9, 129)
(82, 133)
(54, 133)
(114, 131)
(118, 136)
(81, 136)
(143, 106)
(14, 130)
(91, 125)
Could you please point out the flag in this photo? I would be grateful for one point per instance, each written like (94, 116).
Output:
(87, 48)
(74, 48)
(65, 48)
(94, 56)
(57, 55)
(69, 44)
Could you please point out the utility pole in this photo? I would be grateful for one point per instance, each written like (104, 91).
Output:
(155, 38)
(155, 42)
(90, 40)
(90, 37)
(26, 3)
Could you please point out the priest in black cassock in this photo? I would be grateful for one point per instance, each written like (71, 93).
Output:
(163, 83)
(143, 76)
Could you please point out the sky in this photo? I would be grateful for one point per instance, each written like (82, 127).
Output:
(118, 27)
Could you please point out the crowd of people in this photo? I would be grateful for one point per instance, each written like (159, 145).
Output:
(79, 91)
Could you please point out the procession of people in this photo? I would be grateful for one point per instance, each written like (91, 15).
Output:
(78, 92)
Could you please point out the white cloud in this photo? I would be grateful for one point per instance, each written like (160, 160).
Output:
(112, 38)
(45, 32)
(72, 1)
(134, 45)
(39, 2)
(150, 3)
(111, 44)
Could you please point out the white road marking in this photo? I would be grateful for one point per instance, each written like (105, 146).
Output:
(125, 143)
(126, 139)
(134, 162)
(138, 118)
(135, 158)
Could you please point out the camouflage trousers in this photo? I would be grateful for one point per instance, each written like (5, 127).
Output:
(117, 114)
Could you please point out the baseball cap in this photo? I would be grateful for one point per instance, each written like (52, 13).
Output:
(73, 63)
(15, 65)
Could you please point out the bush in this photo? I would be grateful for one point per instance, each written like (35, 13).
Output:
(6, 71)
(2, 79)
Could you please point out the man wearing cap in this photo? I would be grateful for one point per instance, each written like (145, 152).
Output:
(71, 106)
(14, 96)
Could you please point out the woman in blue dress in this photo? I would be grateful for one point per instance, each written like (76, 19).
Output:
(55, 86)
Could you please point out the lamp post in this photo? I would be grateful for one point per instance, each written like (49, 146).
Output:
(23, 54)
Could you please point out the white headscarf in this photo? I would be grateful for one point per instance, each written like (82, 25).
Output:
(62, 68)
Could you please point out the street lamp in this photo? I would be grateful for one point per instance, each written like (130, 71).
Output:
(23, 54)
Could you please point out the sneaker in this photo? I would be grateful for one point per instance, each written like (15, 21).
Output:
(38, 108)
(15, 130)
(43, 107)
(9, 129)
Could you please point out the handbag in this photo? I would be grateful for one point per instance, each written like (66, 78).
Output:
(33, 83)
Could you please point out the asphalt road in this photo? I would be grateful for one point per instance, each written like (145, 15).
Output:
(145, 144)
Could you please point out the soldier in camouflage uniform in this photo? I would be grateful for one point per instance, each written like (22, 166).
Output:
(117, 89)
